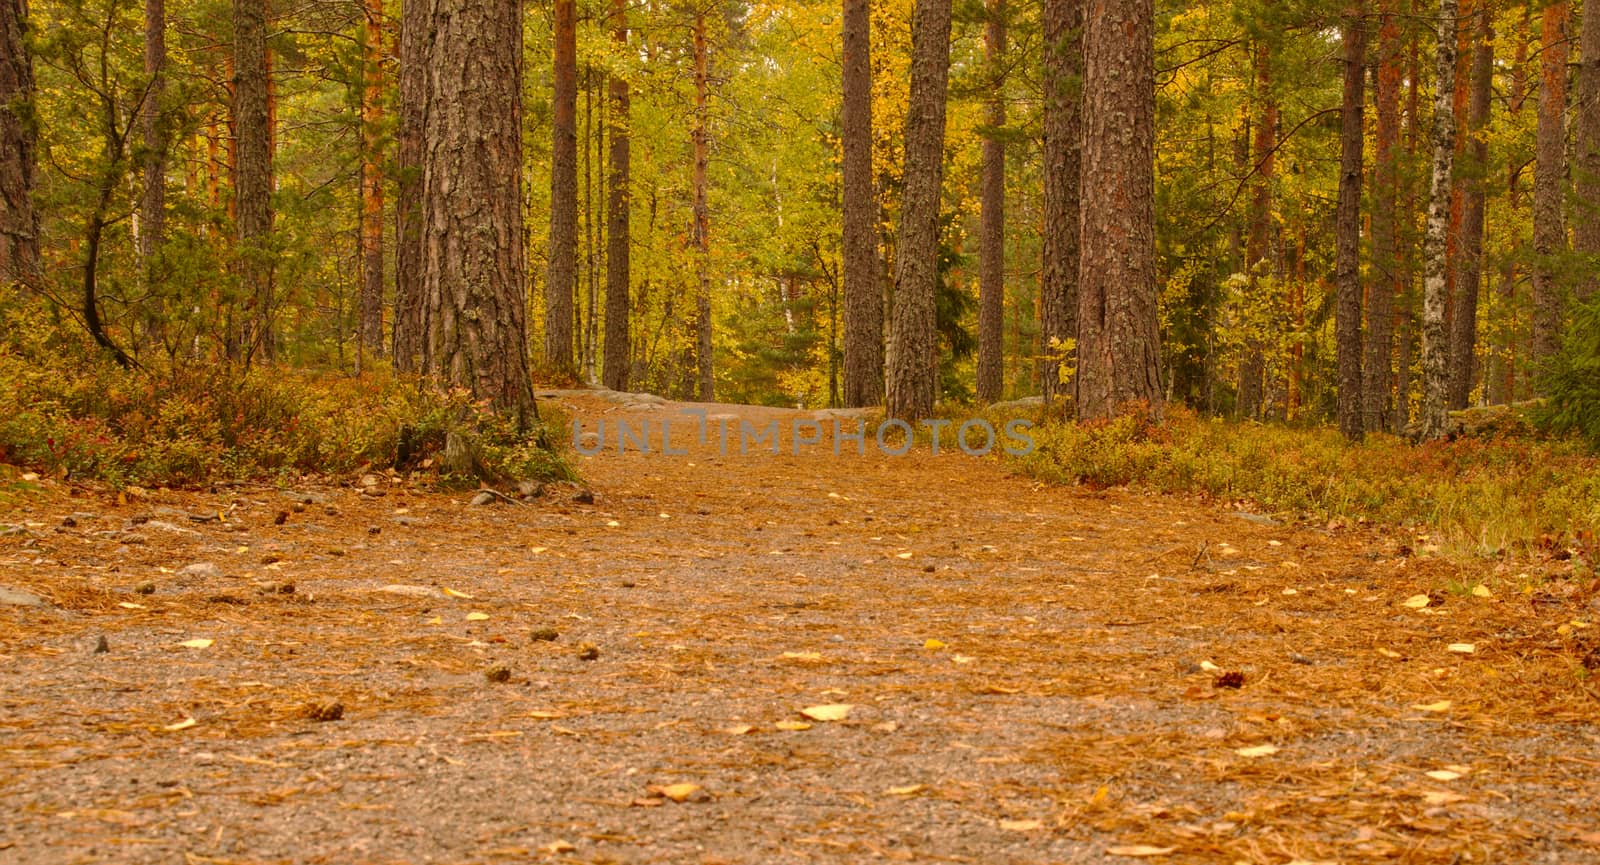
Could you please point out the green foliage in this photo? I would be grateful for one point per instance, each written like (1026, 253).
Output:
(1484, 493)
(1572, 379)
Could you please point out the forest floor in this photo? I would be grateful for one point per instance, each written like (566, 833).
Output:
(1033, 674)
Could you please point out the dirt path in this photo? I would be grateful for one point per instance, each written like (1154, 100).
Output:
(1033, 674)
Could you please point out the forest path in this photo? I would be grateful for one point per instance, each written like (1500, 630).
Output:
(1036, 674)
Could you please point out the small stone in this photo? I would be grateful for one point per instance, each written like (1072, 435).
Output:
(145, 588)
(101, 646)
(498, 673)
(484, 497)
(298, 507)
(544, 635)
(271, 558)
(201, 570)
(584, 497)
(588, 652)
(325, 710)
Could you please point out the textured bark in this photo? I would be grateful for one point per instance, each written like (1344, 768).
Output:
(1586, 171)
(1063, 150)
(913, 340)
(408, 307)
(561, 283)
(472, 262)
(1118, 345)
(618, 356)
(1252, 367)
(863, 286)
(372, 182)
(1435, 342)
(1348, 220)
(19, 223)
(252, 124)
(992, 218)
(153, 189)
(1376, 372)
(1549, 183)
(1469, 254)
(704, 374)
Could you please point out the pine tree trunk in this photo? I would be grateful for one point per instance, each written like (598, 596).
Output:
(618, 357)
(253, 176)
(1252, 367)
(472, 262)
(863, 287)
(704, 374)
(1063, 151)
(1377, 374)
(1549, 182)
(409, 325)
(153, 190)
(1586, 173)
(1348, 219)
(992, 218)
(1119, 359)
(19, 223)
(913, 340)
(1435, 343)
(1469, 260)
(372, 183)
(562, 282)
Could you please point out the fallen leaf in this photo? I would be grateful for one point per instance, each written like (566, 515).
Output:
(185, 724)
(1257, 751)
(739, 730)
(477, 617)
(197, 643)
(1209, 667)
(1481, 591)
(1022, 825)
(558, 847)
(1416, 602)
(908, 790)
(1389, 653)
(802, 656)
(1140, 851)
(1443, 775)
(902, 555)
(1440, 797)
(455, 594)
(933, 644)
(1441, 706)
(962, 659)
(792, 726)
(129, 605)
(675, 792)
(828, 712)
(1463, 648)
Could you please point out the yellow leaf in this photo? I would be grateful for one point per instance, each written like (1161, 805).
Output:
(455, 594)
(1463, 648)
(559, 847)
(1257, 751)
(197, 643)
(932, 644)
(1481, 591)
(612, 524)
(477, 617)
(828, 712)
(802, 656)
(1022, 825)
(907, 790)
(962, 659)
(129, 605)
(1101, 794)
(1140, 851)
(676, 792)
(1416, 602)
(902, 555)
(185, 724)
(739, 730)
(1209, 667)
(436, 620)
(1442, 798)
(1443, 775)
(1441, 706)
(1389, 653)
(792, 726)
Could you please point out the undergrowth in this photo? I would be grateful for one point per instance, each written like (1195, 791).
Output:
(1482, 494)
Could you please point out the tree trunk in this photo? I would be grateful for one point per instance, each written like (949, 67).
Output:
(153, 191)
(913, 341)
(1469, 260)
(562, 282)
(618, 354)
(372, 183)
(1549, 181)
(1376, 363)
(409, 325)
(472, 263)
(1119, 353)
(1586, 173)
(253, 176)
(1348, 218)
(704, 374)
(992, 218)
(863, 288)
(19, 223)
(1435, 343)
(1063, 150)
(1252, 368)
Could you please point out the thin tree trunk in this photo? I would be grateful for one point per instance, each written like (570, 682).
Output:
(1119, 353)
(1376, 371)
(1469, 260)
(1063, 151)
(1252, 368)
(1503, 373)
(153, 191)
(617, 357)
(863, 288)
(372, 183)
(409, 325)
(562, 281)
(1549, 184)
(1405, 297)
(913, 341)
(992, 218)
(1348, 219)
(1586, 171)
(253, 176)
(473, 270)
(19, 223)
(1435, 343)
(591, 159)
(704, 373)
